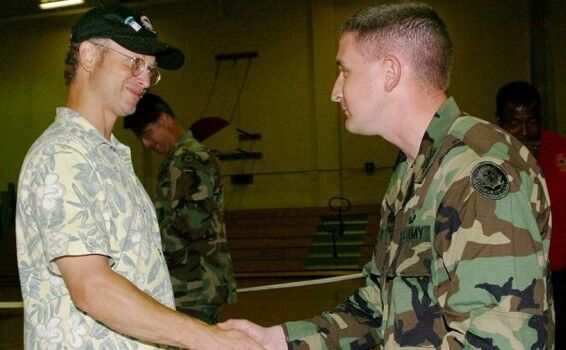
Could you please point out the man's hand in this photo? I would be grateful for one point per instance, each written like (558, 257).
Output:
(271, 338)
(231, 339)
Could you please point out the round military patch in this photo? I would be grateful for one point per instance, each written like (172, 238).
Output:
(490, 180)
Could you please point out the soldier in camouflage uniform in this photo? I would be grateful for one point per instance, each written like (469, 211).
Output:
(189, 205)
(461, 259)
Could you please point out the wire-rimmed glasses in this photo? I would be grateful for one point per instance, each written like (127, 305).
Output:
(138, 65)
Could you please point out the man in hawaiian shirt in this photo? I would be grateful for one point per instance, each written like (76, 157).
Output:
(92, 272)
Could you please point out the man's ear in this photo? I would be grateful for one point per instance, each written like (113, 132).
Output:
(392, 72)
(88, 55)
(164, 119)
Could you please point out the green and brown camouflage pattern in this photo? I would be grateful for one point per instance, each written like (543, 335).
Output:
(190, 210)
(456, 265)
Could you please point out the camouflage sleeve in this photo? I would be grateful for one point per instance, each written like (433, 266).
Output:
(186, 206)
(352, 325)
(492, 237)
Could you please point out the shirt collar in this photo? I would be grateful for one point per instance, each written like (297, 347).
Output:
(71, 118)
(434, 136)
(188, 135)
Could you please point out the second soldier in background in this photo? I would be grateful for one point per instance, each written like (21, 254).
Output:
(189, 205)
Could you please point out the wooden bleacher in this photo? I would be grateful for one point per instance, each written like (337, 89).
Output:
(262, 242)
(278, 241)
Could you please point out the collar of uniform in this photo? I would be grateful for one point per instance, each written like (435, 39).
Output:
(183, 139)
(188, 141)
(70, 117)
(188, 135)
(434, 137)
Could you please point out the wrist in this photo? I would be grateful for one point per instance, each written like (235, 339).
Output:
(197, 335)
(277, 334)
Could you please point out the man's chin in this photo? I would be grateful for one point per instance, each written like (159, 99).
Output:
(357, 128)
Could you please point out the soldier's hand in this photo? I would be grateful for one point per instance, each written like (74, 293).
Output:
(232, 339)
(271, 338)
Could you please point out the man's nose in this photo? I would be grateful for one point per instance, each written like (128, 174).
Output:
(145, 142)
(336, 95)
(143, 79)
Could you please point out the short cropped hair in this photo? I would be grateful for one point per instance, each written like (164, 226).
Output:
(72, 59)
(520, 92)
(71, 63)
(148, 110)
(415, 30)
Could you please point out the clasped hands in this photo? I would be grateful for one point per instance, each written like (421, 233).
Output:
(269, 338)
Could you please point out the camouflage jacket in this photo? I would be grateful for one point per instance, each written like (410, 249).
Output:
(190, 211)
(461, 260)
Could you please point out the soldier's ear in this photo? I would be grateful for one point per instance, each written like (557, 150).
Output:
(163, 118)
(392, 72)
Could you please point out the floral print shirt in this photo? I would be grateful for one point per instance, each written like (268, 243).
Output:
(78, 195)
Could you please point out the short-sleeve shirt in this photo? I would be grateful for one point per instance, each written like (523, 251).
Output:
(78, 195)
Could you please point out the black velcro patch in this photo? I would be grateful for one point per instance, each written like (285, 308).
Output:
(490, 180)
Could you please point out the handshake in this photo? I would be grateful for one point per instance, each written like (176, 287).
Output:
(251, 335)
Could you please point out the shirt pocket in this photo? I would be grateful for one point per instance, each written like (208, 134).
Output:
(413, 257)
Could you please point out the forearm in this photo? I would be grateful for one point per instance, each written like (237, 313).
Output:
(121, 306)
(354, 324)
(113, 300)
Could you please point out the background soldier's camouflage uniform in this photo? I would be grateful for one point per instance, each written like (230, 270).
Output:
(456, 265)
(190, 211)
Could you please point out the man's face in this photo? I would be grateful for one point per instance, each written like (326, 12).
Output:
(359, 88)
(118, 89)
(157, 136)
(523, 122)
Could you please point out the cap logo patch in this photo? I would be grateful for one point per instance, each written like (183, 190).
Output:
(490, 180)
(132, 23)
(147, 24)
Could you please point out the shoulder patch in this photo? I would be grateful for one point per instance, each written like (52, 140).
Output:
(490, 180)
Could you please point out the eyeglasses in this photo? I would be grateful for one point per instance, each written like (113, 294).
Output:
(138, 65)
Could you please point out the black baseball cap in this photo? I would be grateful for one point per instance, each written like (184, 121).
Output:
(128, 29)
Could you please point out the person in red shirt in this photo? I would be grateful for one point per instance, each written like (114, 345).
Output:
(519, 112)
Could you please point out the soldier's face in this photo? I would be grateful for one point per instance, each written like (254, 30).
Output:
(359, 87)
(523, 122)
(156, 136)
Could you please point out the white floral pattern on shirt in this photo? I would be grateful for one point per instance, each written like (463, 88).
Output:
(78, 195)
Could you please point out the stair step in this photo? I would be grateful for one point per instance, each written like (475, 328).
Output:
(339, 239)
(346, 226)
(346, 232)
(345, 217)
(329, 255)
(333, 267)
(346, 222)
(329, 260)
(338, 244)
(343, 249)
